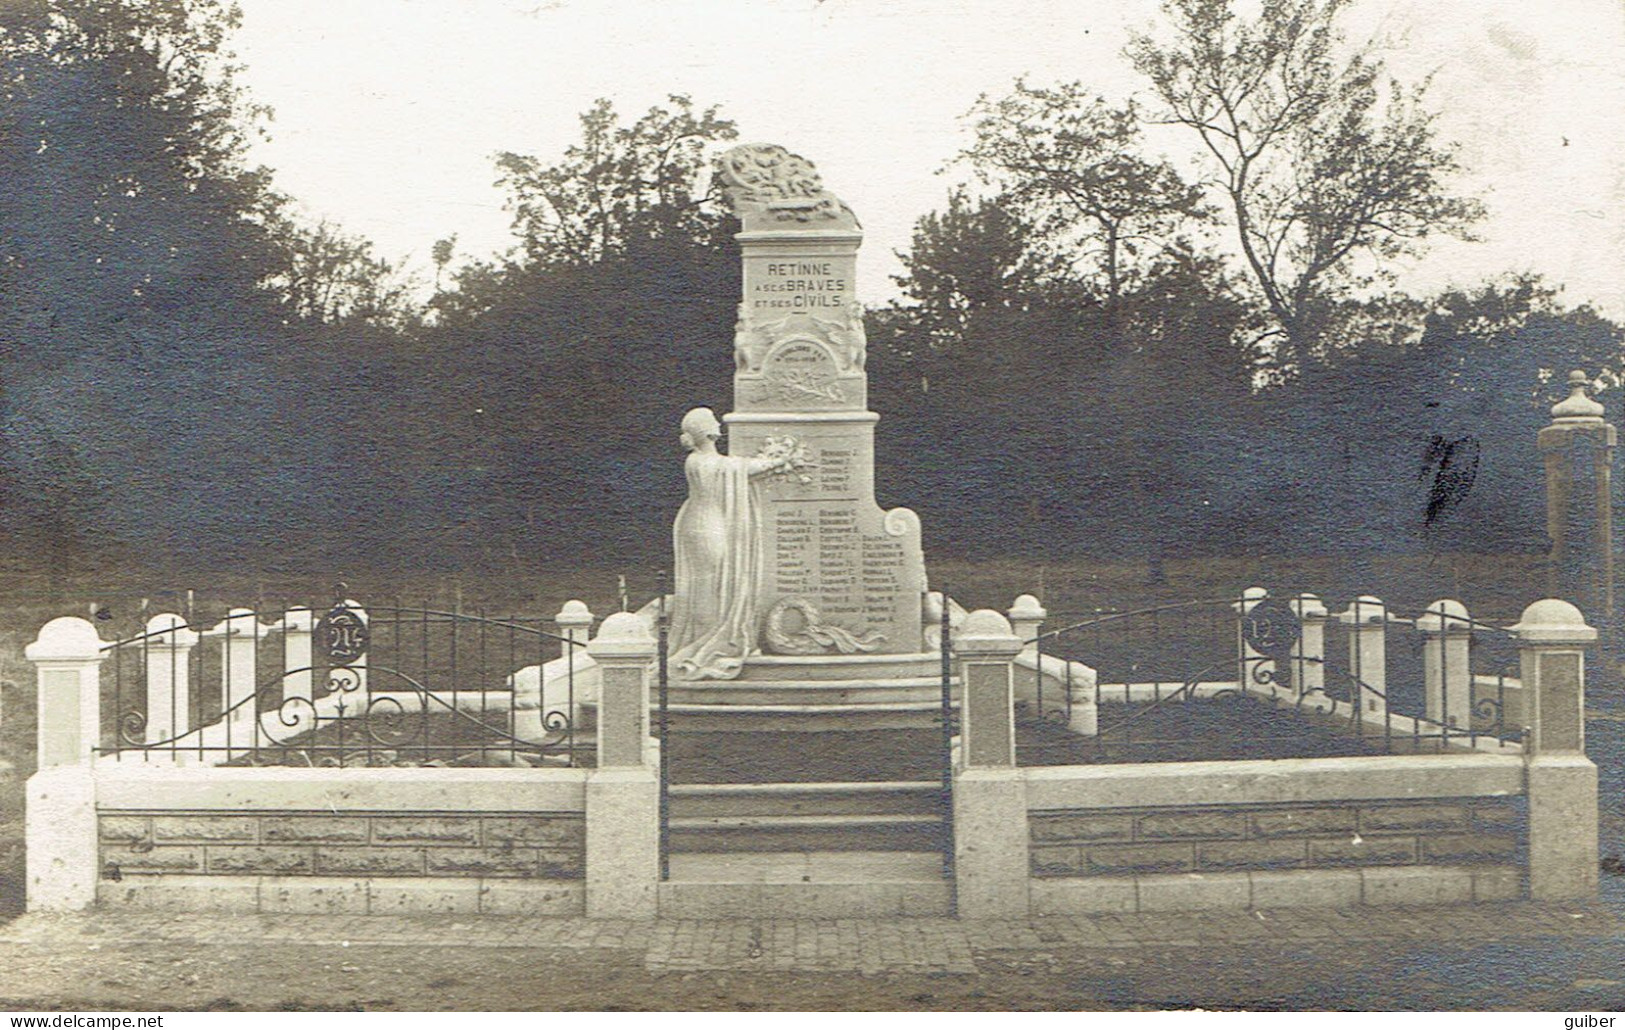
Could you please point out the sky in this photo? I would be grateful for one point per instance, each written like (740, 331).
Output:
(388, 112)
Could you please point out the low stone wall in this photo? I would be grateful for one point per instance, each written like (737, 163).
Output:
(339, 840)
(538, 845)
(1116, 842)
(1335, 832)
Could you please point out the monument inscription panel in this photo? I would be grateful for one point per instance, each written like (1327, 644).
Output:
(835, 558)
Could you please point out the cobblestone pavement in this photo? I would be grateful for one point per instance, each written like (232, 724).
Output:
(869, 947)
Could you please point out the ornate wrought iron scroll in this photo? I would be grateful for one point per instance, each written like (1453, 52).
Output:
(343, 634)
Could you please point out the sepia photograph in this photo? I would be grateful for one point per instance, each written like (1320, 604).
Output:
(811, 505)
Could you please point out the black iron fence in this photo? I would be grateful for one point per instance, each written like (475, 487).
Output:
(1254, 676)
(348, 684)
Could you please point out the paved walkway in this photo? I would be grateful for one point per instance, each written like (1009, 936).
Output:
(836, 945)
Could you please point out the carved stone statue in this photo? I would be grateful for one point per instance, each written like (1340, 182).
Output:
(721, 570)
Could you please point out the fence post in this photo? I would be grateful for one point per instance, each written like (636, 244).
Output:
(1562, 782)
(1309, 650)
(574, 623)
(169, 696)
(530, 703)
(299, 678)
(239, 639)
(1367, 620)
(1447, 676)
(623, 794)
(990, 800)
(1026, 615)
(60, 806)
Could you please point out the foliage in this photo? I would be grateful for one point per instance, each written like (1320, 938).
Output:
(971, 258)
(328, 276)
(619, 187)
(1070, 164)
(128, 198)
(1320, 158)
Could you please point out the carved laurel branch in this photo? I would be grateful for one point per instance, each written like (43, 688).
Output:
(785, 385)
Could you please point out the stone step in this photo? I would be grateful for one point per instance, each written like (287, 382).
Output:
(904, 689)
(803, 718)
(729, 800)
(738, 755)
(781, 833)
(760, 668)
(806, 884)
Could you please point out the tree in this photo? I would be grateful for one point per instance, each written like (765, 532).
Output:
(972, 257)
(123, 137)
(621, 276)
(329, 276)
(1321, 159)
(619, 186)
(1070, 164)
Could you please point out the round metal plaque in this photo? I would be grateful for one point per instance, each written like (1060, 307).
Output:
(343, 635)
(1270, 627)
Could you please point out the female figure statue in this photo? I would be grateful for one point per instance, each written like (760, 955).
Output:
(717, 539)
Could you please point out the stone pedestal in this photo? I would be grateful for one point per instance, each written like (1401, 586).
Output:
(623, 794)
(834, 557)
(1562, 782)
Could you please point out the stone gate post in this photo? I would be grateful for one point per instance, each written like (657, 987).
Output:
(1577, 449)
(623, 794)
(60, 806)
(1562, 782)
(989, 796)
(1309, 650)
(1253, 670)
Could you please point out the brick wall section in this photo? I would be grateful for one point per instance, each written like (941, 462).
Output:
(1123, 842)
(536, 845)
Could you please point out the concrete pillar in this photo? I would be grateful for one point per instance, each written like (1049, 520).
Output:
(59, 827)
(1367, 622)
(1026, 619)
(1026, 616)
(1309, 650)
(987, 649)
(67, 656)
(169, 696)
(530, 705)
(1447, 675)
(990, 801)
(1577, 449)
(574, 623)
(1562, 782)
(623, 793)
(298, 678)
(239, 634)
(59, 832)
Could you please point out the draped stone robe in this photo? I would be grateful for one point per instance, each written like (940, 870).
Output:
(717, 540)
